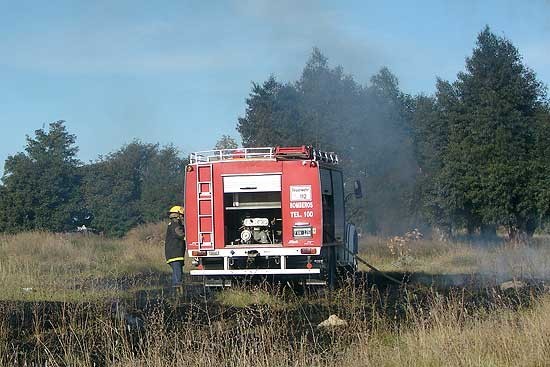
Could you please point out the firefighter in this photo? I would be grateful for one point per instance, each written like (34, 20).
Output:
(174, 244)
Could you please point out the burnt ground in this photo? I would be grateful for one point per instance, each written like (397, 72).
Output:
(146, 293)
(143, 291)
(149, 296)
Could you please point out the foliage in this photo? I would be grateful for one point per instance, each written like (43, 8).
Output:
(133, 185)
(473, 157)
(541, 166)
(226, 142)
(40, 185)
(383, 141)
(430, 120)
(489, 164)
(47, 188)
(162, 183)
(272, 116)
(367, 126)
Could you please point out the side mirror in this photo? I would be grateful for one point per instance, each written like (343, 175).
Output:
(357, 189)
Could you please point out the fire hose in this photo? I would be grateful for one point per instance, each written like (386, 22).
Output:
(363, 261)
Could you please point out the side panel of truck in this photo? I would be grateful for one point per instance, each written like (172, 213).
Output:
(301, 206)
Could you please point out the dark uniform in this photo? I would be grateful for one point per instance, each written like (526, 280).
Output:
(174, 249)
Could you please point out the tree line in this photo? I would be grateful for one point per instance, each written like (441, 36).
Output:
(48, 188)
(471, 158)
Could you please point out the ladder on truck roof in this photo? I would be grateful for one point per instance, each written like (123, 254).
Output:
(205, 207)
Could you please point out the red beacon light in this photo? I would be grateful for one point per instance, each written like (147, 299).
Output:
(199, 253)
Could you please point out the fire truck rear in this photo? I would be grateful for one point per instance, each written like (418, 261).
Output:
(267, 212)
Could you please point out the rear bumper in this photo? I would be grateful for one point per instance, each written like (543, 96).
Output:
(238, 272)
(262, 251)
(258, 261)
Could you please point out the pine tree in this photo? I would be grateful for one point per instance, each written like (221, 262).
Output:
(41, 185)
(368, 126)
(487, 174)
(541, 179)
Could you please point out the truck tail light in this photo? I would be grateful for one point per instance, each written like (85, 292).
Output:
(198, 253)
(309, 265)
(308, 251)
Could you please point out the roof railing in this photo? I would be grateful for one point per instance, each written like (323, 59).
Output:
(329, 157)
(279, 153)
(217, 155)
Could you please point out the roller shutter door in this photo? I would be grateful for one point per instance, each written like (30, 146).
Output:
(252, 183)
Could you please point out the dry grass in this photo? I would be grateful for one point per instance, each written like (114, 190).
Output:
(498, 260)
(264, 325)
(40, 265)
(445, 335)
(430, 330)
(245, 297)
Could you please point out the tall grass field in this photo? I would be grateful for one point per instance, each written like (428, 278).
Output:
(73, 300)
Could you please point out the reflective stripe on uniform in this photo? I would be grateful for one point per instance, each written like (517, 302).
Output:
(175, 259)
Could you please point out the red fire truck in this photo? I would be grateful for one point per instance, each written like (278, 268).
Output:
(267, 211)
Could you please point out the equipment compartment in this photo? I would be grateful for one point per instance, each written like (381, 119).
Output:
(252, 218)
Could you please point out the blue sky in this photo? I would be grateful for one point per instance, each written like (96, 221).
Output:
(179, 71)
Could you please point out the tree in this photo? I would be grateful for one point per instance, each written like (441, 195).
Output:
(40, 186)
(368, 126)
(326, 97)
(488, 165)
(162, 183)
(383, 141)
(134, 185)
(47, 188)
(430, 125)
(541, 179)
(226, 142)
(3, 214)
(272, 116)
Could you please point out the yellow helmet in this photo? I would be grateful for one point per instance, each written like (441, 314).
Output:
(176, 210)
